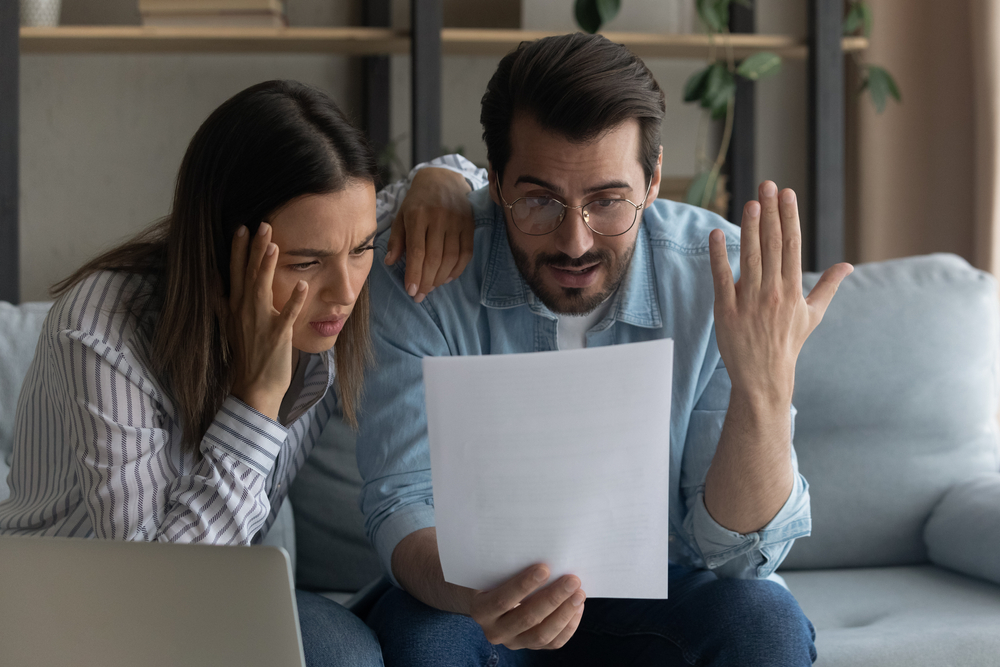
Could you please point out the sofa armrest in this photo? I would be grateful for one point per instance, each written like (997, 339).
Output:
(963, 532)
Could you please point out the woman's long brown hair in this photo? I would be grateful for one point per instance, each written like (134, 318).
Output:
(262, 148)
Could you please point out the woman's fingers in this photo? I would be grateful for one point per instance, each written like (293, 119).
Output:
(258, 248)
(294, 304)
(397, 240)
(237, 266)
(466, 242)
(415, 250)
(265, 278)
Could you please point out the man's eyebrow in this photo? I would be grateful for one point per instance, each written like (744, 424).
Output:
(609, 185)
(315, 252)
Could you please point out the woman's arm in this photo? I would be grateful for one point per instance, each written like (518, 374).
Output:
(431, 219)
(123, 435)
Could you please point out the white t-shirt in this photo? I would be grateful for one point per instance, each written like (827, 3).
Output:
(572, 331)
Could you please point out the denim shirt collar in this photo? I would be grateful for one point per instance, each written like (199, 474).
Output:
(635, 302)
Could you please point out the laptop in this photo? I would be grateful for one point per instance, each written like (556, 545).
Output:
(86, 602)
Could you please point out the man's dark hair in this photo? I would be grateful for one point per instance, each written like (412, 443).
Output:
(577, 85)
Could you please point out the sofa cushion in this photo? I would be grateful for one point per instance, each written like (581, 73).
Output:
(897, 397)
(963, 532)
(333, 551)
(19, 329)
(900, 617)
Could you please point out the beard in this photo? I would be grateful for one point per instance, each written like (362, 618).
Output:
(571, 300)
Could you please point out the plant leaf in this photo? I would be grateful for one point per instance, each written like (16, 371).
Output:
(880, 86)
(587, 15)
(714, 13)
(695, 86)
(696, 191)
(853, 20)
(607, 10)
(719, 89)
(759, 65)
(867, 19)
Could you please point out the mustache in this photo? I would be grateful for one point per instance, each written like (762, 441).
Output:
(563, 261)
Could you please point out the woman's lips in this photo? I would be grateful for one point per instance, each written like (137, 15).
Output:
(576, 277)
(329, 326)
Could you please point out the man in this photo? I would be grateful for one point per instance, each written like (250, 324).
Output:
(573, 249)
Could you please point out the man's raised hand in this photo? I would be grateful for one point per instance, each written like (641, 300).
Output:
(763, 319)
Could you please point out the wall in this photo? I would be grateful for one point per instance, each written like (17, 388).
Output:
(102, 136)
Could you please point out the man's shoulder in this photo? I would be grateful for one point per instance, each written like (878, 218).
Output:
(684, 229)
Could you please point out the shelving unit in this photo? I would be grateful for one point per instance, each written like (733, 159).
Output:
(365, 41)
(427, 43)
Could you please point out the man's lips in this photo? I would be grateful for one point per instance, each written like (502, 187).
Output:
(329, 326)
(574, 276)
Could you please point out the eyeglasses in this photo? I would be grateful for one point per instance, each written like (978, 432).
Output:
(537, 216)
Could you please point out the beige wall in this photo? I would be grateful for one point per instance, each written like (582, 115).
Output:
(102, 136)
(915, 163)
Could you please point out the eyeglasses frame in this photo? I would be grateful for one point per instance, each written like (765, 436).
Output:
(566, 207)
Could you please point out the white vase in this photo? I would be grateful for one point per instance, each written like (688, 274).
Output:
(40, 12)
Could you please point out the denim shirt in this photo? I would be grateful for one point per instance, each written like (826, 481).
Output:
(667, 293)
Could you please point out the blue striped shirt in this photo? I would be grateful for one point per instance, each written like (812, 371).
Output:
(97, 438)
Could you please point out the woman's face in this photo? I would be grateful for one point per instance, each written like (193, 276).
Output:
(325, 240)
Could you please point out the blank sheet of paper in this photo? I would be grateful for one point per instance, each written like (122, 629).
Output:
(553, 457)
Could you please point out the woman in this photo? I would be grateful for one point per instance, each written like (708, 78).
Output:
(181, 378)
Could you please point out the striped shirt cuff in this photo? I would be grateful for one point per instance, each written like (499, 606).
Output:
(246, 434)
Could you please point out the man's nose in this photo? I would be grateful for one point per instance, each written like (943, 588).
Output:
(573, 236)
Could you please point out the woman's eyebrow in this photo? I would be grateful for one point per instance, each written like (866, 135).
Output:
(309, 252)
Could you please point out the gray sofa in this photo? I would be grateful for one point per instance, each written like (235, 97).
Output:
(897, 394)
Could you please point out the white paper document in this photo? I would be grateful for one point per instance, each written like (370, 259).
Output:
(559, 458)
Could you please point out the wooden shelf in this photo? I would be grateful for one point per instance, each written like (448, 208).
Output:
(373, 41)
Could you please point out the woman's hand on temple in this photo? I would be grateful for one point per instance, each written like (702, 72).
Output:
(261, 336)
(435, 228)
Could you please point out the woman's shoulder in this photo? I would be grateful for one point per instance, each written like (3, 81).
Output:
(107, 305)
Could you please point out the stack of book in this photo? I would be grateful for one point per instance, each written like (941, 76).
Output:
(213, 13)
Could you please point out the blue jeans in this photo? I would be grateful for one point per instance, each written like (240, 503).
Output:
(706, 621)
(334, 637)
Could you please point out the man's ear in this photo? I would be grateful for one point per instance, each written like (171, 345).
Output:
(654, 184)
(492, 175)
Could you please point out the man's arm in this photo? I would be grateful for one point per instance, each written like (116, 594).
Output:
(762, 321)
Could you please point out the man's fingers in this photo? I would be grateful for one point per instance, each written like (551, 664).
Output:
(397, 241)
(544, 634)
(770, 234)
(491, 605)
(722, 273)
(750, 270)
(294, 304)
(538, 607)
(791, 236)
(237, 266)
(570, 629)
(822, 294)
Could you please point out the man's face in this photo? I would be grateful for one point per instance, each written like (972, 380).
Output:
(573, 270)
